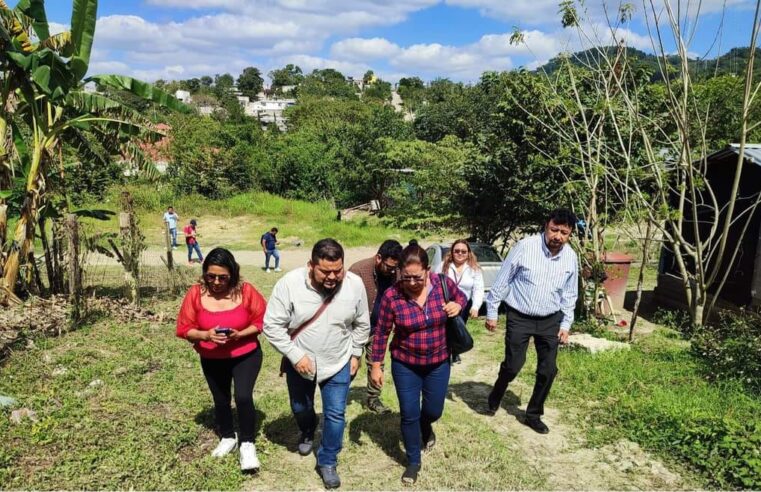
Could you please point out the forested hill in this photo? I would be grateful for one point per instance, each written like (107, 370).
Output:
(732, 62)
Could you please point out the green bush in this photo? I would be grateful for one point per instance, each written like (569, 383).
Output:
(731, 349)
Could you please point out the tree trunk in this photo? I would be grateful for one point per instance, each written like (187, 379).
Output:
(641, 279)
(23, 239)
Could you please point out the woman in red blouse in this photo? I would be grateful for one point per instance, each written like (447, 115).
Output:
(222, 316)
(415, 309)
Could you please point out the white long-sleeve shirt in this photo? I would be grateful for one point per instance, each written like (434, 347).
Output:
(470, 282)
(340, 332)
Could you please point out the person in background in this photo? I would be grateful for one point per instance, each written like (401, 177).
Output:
(191, 241)
(269, 246)
(378, 273)
(415, 310)
(170, 219)
(461, 265)
(317, 317)
(539, 282)
(222, 317)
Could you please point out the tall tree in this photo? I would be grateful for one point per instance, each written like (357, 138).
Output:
(250, 82)
(289, 75)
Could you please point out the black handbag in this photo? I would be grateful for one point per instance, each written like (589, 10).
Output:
(459, 340)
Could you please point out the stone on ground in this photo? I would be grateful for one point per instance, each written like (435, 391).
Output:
(594, 344)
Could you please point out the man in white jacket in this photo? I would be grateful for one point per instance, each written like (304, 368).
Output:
(322, 350)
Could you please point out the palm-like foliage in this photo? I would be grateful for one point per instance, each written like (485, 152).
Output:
(42, 89)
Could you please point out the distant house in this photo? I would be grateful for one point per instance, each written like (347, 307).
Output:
(183, 96)
(743, 286)
(269, 111)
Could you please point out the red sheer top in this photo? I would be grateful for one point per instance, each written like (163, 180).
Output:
(249, 313)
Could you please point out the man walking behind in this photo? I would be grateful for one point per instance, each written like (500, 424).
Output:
(317, 317)
(171, 218)
(269, 246)
(378, 273)
(539, 282)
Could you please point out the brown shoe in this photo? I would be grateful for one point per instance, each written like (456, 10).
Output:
(377, 406)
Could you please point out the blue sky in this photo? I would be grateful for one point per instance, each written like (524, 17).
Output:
(459, 39)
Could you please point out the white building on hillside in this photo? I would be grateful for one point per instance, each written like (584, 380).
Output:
(183, 96)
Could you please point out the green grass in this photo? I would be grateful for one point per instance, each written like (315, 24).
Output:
(149, 425)
(655, 394)
(239, 221)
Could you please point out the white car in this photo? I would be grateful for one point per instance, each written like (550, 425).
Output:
(486, 255)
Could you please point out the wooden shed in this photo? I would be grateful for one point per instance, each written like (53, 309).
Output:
(743, 286)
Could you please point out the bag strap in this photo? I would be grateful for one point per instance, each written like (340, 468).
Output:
(444, 288)
(316, 315)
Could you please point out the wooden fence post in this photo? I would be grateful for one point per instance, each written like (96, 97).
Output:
(168, 237)
(75, 270)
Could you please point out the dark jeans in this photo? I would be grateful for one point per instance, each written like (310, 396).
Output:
(520, 328)
(194, 247)
(412, 381)
(242, 372)
(335, 392)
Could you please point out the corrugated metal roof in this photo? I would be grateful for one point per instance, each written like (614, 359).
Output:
(752, 152)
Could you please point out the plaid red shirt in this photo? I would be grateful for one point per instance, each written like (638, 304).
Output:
(419, 332)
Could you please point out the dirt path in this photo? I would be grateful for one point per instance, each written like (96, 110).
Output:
(289, 259)
(562, 457)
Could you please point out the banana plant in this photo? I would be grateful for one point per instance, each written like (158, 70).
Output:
(43, 92)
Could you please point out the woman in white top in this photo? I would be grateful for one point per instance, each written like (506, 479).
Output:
(462, 266)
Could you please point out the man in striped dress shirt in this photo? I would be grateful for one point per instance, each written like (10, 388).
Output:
(539, 282)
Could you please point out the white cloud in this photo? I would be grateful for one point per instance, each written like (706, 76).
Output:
(359, 49)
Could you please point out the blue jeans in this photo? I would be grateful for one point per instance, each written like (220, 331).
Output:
(412, 381)
(194, 247)
(272, 252)
(173, 233)
(335, 392)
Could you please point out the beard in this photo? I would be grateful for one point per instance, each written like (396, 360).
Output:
(325, 289)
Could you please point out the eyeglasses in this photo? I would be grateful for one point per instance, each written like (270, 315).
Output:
(389, 268)
(460, 251)
(211, 277)
(412, 279)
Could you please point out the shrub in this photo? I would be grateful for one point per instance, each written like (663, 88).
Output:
(731, 349)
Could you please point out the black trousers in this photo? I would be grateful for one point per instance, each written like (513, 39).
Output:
(242, 373)
(520, 328)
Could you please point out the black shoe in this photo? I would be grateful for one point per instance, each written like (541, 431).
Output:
(429, 441)
(409, 477)
(491, 407)
(306, 442)
(329, 476)
(537, 425)
(377, 406)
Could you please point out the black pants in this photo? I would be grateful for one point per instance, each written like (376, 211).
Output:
(242, 371)
(519, 329)
(465, 312)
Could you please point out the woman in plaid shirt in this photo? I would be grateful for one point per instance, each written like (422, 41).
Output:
(414, 308)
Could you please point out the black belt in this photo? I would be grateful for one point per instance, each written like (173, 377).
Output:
(528, 316)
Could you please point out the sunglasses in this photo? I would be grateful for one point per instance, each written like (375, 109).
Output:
(460, 251)
(211, 277)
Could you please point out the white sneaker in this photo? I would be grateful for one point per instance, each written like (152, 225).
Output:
(248, 459)
(278, 270)
(226, 446)
(267, 271)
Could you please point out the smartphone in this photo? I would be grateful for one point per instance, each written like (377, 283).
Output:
(223, 331)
